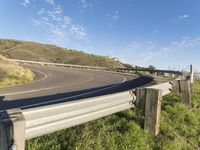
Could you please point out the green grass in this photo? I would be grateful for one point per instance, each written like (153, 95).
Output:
(180, 125)
(180, 130)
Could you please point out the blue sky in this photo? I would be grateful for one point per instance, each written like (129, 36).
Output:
(142, 32)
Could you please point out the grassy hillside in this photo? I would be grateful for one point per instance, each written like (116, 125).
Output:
(12, 74)
(50, 53)
(180, 130)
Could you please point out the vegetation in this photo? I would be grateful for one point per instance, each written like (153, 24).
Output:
(180, 130)
(128, 66)
(50, 53)
(12, 74)
(151, 67)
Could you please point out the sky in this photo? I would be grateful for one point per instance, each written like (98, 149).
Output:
(163, 33)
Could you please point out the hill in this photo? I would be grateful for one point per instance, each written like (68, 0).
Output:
(50, 53)
(12, 74)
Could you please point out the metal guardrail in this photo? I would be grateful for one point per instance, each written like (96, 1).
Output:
(149, 70)
(43, 120)
(34, 122)
(47, 119)
(58, 64)
(98, 68)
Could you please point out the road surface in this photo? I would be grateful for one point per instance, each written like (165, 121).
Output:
(58, 84)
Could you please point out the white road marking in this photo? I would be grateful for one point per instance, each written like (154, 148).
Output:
(45, 76)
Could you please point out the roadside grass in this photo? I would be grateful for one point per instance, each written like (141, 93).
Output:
(12, 74)
(180, 125)
(180, 130)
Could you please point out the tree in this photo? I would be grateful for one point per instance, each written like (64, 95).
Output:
(151, 67)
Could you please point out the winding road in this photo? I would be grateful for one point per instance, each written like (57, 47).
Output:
(59, 84)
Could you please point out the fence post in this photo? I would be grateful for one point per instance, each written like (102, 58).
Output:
(185, 92)
(152, 110)
(176, 86)
(192, 77)
(149, 101)
(12, 130)
(183, 87)
(141, 98)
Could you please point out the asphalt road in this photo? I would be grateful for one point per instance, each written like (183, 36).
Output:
(56, 84)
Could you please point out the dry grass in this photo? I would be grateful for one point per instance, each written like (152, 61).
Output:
(12, 74)
(50, 53)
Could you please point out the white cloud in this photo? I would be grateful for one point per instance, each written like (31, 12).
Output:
(78, 31)
(148, 56)
(56, 13)
(114, 16)
(41, 11)
(85, 4)
(25, 2)
(185, 16)
(139, 53)
(186, 42)
(51, 2)
(144, 53)
(59, 28)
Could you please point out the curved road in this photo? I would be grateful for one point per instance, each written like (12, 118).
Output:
(56, 84)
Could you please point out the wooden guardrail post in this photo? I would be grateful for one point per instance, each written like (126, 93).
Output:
(185, 92)
(192, 77)
(141, 98)
(176, 86)
(149, 100)
(183, 87)
(152, 110)
(12, 130)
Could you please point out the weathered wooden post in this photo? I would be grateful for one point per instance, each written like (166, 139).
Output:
(152, 110)
(185, 92)
(141, 98)
(12, 130)
(192, 77)
(176, 86)
(149, 100)
(183, 87)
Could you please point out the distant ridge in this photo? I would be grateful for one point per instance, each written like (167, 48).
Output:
(16, 49)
